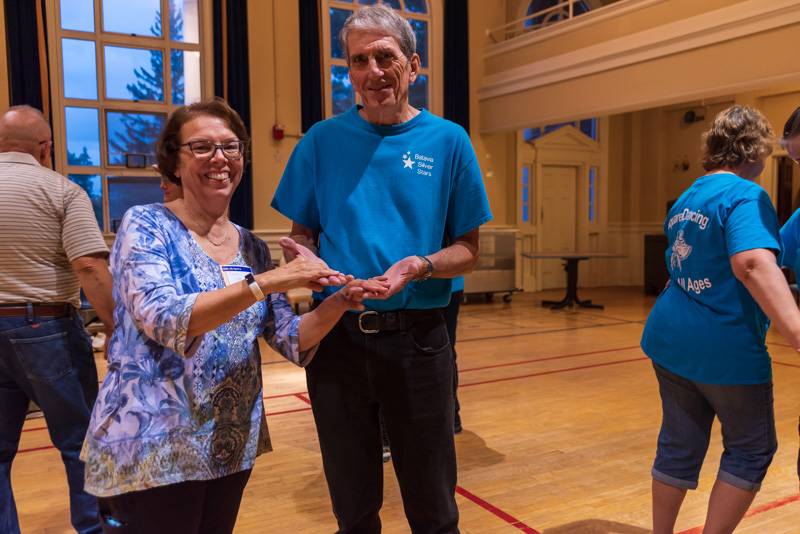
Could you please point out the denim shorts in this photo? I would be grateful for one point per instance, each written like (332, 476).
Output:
(746, 415)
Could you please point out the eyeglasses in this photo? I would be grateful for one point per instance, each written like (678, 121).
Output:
(232, 150)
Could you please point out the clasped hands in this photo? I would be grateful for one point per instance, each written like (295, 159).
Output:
(304, 262)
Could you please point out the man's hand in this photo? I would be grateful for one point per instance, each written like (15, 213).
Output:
(355, 292)
(401, 273)
(292, 249)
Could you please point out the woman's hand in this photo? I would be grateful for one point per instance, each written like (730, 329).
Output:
(300, 272)
(352, 295)
(315, 324)
(292, 249)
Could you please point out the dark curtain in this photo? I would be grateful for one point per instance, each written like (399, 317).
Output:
(311, 100)
(456, 62)
(231, 65)
(22, 31)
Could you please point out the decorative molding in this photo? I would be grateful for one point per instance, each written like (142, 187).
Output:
(734, 22)
(566, 137)
(567, 26)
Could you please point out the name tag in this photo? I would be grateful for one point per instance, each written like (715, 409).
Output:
(233, 274)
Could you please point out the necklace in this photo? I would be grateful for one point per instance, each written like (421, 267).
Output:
(215, 243)
(220, 243)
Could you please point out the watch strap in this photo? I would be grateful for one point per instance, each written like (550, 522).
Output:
(255, 289)
(428, 269)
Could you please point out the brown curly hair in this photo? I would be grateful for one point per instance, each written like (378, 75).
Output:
(739, 134)
(169, 142)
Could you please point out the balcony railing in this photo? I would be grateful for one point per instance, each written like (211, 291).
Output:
(535, 21)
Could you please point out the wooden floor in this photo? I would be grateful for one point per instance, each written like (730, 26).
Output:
(560, 412)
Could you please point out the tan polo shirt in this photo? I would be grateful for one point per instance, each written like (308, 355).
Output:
(46, 222)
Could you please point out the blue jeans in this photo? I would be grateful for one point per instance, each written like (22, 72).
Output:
(49, 361)
(745, 414)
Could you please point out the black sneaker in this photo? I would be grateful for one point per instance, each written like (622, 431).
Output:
(387, 454)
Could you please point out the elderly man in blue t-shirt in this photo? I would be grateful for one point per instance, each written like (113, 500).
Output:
(387, 190)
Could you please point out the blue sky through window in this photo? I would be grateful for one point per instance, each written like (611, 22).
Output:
(80, 68)
(338, 16)
(127, 191)
(184, 22)
(83, 135)
(416, 6)
(77, 15)
(418, 93)
(131, 17)
(420, 28)
(93, 185)
(131, 133)
(127, 66)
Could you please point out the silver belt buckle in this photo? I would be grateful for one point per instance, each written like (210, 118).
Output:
(361, 324)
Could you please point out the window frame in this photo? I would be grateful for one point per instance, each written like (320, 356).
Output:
(104, 105)
(435, 51)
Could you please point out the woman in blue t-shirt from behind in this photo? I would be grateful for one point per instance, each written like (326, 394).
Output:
(705, 333)
(790, 232)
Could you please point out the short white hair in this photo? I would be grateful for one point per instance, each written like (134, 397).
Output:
(381, 19)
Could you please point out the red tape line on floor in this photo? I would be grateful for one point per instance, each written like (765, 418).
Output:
(551, 372)
(511, 520)
(753, 511)
(546, 359)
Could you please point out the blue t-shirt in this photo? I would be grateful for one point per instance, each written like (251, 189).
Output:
(376, 194)
(705, 326)
(790, 236)
(458, 284)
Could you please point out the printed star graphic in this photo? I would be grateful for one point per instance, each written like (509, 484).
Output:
(409, 163)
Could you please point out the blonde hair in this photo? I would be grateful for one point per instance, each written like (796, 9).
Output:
(738, 135)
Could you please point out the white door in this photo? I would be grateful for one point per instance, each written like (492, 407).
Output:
(558, 220)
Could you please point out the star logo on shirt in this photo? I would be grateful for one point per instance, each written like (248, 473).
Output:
(408, 163)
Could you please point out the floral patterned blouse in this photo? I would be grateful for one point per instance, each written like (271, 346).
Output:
(174, 408)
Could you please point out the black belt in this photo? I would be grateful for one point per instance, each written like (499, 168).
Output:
(59, 309)
(372, 322)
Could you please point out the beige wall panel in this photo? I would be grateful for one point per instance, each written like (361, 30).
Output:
(4, 89)
(616, 167)
(684, 143)
(650, 172)
(274, 99)
(565, 39)
(704, 72)
(778, 107)
(496, 153)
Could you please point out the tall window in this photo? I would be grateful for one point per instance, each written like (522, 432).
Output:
(123, 65)
(339, 93)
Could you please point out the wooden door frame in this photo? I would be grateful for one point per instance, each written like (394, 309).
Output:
(565, 147)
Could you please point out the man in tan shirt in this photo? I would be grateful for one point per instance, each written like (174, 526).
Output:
(50, 247)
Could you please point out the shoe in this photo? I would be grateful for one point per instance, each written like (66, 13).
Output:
(457, 425)
(387, 454)
(99, 342)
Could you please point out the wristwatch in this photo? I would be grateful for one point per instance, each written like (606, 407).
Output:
(254, 287)
(428, 270)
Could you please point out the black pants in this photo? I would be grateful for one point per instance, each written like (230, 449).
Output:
(194, 507)
(451, 318)
(408, 376)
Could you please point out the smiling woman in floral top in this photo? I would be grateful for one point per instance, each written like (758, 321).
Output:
(179, 419)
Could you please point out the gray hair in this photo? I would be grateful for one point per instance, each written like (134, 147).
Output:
(381, 19)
